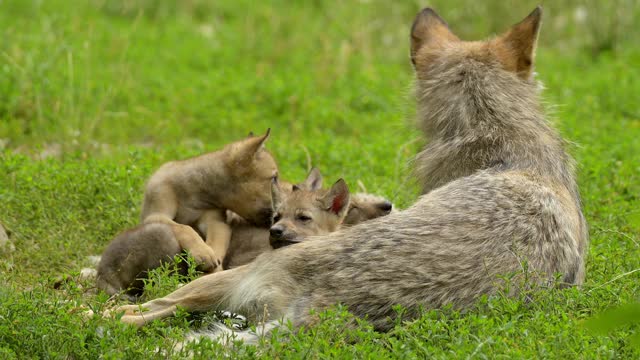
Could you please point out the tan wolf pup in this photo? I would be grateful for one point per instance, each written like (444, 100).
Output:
(197, 192)
(302, 212)
(248, 241)
(499, 191)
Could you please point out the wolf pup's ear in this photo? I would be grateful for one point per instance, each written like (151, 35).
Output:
(257, 143)
(520, 42)
(429, 31)
(313, 181)
(250, 146)
(276, 194)
(337, 199)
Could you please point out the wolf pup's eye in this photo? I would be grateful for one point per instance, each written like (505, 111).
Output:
(277, 217)
(303, 218)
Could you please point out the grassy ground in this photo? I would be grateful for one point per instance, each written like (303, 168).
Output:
(96, 94)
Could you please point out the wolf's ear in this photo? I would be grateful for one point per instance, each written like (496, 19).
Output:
(337, 199)
(313, 181)
(257, 142)
(251, 145)
(276, 194)
(429, 30)
(520, 42)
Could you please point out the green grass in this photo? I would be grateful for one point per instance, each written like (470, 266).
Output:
(94, 95)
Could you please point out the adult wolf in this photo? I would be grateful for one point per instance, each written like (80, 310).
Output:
(499, 191)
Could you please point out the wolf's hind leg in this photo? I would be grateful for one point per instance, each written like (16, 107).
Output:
(203, 294)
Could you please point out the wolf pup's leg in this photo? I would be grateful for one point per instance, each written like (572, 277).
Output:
(161, 206)
(190, 241)
(218, 234)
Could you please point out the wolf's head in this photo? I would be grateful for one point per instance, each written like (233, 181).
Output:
(307, 210)
(477, 101)
(434, 45)
(472, 85)
(251, 169)
(366, 206)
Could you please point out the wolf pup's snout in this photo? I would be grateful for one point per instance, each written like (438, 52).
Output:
(276, 232)
(385, 206)
(280, 236)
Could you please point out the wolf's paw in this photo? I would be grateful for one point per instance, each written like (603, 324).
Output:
(136, 320)
(219, 267)
(218, 261)
(125, 310)
(206, 259)
(130, 314)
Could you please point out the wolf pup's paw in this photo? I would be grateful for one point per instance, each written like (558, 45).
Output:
(206, 259)
(219, 267)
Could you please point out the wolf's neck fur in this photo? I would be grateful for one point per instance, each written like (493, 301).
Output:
(479, 117)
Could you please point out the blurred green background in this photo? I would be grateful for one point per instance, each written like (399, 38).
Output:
(82, 74)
